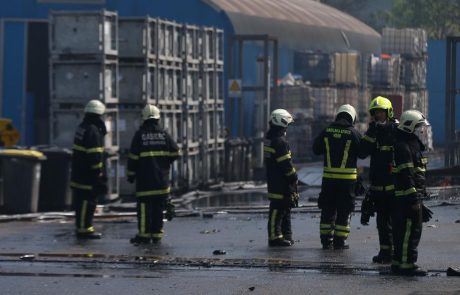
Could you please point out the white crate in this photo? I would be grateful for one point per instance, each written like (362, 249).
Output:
(137, 82)
(295, 99)
(113, 177)
(137, 37)
(169, 85)
(416, 100)
(91, 33)
(169, 40)
(80, 81)
(412, 42)
(64, 123)
(385, 70)
(213, 45)
(192, 44)
(348, 95)
(325, 102)
(192, 86)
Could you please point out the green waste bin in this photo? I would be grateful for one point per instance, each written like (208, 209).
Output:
(55, 193)
(20, 174)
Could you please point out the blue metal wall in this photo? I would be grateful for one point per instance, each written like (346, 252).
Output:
(15, 15)
(436, 84)
(13, 82)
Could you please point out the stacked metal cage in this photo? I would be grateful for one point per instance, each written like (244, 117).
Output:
(409, 47)
(129, 62)
(327, 81)
(83, 66)
(178, 68)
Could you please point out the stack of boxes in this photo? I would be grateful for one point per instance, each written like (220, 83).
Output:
(328, 81)
(84, 66)
(177, 67)
(408, 88)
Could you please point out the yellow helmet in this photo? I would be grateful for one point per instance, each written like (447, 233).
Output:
(381, 103)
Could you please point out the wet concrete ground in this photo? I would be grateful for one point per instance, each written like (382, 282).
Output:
(184, 262)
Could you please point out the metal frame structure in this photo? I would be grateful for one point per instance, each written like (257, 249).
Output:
(238, 41)
(263, 101)
(452, 144)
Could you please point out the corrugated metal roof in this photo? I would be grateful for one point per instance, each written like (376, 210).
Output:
(299, 24)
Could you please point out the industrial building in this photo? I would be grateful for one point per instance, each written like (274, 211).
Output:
(298, 25)
(256, 34)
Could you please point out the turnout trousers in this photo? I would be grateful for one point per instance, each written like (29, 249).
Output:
(336, 202)
(279, 220)
(85, 202)
(150, 216)
(382, 200)
(407, 231)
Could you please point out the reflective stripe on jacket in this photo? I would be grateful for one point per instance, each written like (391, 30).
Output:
(88, 153)
(281, 174)
(410, 166)
(339, 143)
(151, 154)
(378, 143)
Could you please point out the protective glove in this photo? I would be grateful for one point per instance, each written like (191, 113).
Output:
(360, 189)
(427, 214)
(367, 208)
(294, 200)
(170, 210)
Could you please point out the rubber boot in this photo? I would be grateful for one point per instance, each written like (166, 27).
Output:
(139, 240)
(279, 243)
(383, 257)
(89, 236)
(326, 242)
(339, 244)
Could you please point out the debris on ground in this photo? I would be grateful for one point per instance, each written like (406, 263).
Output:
(219, 252)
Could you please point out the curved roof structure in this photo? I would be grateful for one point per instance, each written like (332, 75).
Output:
(299, 24)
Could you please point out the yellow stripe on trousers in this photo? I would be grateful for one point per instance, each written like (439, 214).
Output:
(406, 241)
(142, 219)
(84, 207)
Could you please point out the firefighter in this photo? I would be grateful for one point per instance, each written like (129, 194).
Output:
(407, 212)
(281, 179)
(151, 154)
(378, 143)
(339, 143)
(88, 179)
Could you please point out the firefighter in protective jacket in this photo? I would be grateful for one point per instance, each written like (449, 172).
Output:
(339, 143)
(409, 171)
(281, 179)
(378, 143)
(88, 179)
(151, 154)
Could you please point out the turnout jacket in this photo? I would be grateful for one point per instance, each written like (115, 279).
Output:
(281, 174)
(340, 144)
(88, 153)
(410, 167)
(151, 155)
(378, 142)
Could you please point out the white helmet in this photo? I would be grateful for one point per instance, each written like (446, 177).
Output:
(349, 109)
(150, 112)
(95, 107)
(411, 120)
(281, 117)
